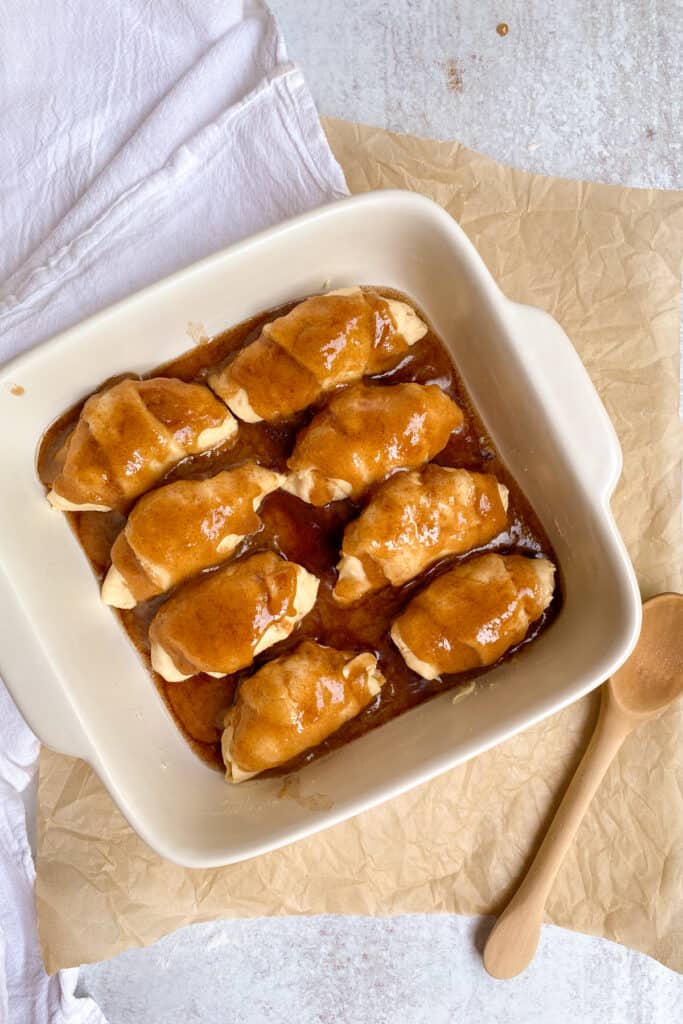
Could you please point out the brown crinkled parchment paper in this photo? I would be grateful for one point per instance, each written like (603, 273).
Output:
(605, 261)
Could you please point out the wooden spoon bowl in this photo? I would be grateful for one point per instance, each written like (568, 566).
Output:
(652, 678)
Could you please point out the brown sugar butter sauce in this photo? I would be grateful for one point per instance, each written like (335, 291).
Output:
(310, 536)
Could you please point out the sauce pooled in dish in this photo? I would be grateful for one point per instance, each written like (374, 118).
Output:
(365, 551)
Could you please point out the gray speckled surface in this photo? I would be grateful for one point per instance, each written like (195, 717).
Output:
(353, 970)
(577, 88)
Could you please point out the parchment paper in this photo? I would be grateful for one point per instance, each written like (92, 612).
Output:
(605, 261)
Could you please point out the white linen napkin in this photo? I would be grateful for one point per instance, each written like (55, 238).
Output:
(136, 138)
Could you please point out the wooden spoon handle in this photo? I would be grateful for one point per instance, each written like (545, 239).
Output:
(513, 941)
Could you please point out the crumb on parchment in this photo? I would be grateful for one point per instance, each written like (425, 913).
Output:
(454, 76)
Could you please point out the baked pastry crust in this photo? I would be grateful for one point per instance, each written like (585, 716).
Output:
(176, 531)
(129, 435)
(218, 623)
(293, 703)
(324, 342)
(412, 521)
(365, 433)
(472, 614)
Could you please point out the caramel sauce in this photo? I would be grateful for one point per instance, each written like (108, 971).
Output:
(128, 434)
(310, 536)
(417, 518)
(253, 595)
(359, 332)
(281, 710)
(192, 537)
(365, 432)
(442, 626)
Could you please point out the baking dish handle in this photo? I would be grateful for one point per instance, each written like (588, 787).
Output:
(32, 682)
(565, 387)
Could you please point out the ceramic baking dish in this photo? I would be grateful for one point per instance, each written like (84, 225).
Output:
(71, 668)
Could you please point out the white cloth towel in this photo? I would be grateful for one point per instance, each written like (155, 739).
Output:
(136, 138)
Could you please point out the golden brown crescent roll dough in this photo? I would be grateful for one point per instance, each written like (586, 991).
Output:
(293, 703)
(218, 623)
(413, 520)
(175, 531)
(323, 342)
(473, 613)
(364, 434)
(128, 436)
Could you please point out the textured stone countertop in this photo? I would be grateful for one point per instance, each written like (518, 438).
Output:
(578, 88)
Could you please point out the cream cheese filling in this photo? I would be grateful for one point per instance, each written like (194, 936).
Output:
(303, 482)
(423, 668)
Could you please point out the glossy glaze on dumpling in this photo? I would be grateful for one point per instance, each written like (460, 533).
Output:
(305, 534)
(365, 433)
(472, 614)
(218, 623)
(176, 531)
(413, 520)
(295, 702)
(129, 435)
(324, 342)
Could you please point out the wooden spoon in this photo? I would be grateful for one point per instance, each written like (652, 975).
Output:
(644, 685)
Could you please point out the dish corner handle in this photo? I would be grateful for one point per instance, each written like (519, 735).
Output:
(576, 405)
(33, 684)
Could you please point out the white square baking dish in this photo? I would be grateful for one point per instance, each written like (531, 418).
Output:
(542, 412)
